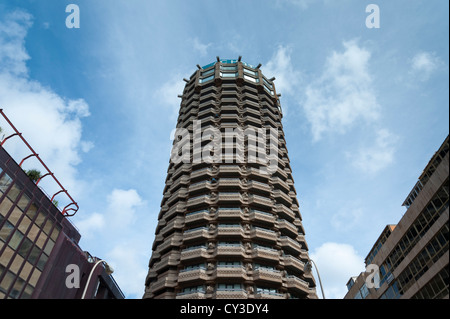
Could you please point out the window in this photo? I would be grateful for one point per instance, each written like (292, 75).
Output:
(5, 181)
(228, 75)
(249, 78)
(228, 68)
(208, 72)
(229, 287)
(254, 73)
(209, 78)
(6, 230)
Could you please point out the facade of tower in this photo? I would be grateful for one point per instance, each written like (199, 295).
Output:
(229, 224)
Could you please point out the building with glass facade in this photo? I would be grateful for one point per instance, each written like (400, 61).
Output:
(413, 256)
(38, 243)
(229, 224)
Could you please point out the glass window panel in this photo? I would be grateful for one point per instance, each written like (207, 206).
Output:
(5, 181)
(15, 239)
(42, 261)
(34, 255)
(209, 78)
(31, 212)
(55, 233)
(7, 281)
(49, 247)
(25, 247)
(15, 215)
(6, 230)
(48, 226)
(205, 73)
(14, 192)
(23, 202)
(250, 72)
(40, 219)
(228, 75)
(27, 292)
(24, 224)
(5, 206)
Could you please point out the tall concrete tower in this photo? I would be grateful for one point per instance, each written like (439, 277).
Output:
(229, 225)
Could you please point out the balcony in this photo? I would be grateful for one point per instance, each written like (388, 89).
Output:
(172, 241)
(262, 217)
(295, 283)
(164, 282)
(287, 228)
(265, 254)
(198, 216)
(177, 223)
(269, 295)
(266, 275)
(230, 294)
(282, 197)
(263, 234)
(284, 212)
(230, 250)
(172, 259)
(195, 234)
(229, 213)
(231, 272)
(290, 245)
(197, 201)
(290, 262)
(232, 230)
(196, 253)
(260, 200)
(192, 275)
(258, 186)
(191, 295)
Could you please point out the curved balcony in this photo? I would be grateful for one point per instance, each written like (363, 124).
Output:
(230, 250)
(287, 228)
(238, 273)
(193, 275)
(232, 230)
(290, 245)
(263, 234)
(230, 294)
(265, 254)
(262, 217)
(194, 253)
(284, 212)
(263, 275)
(195, 234)
(292, 263)
(297, 284)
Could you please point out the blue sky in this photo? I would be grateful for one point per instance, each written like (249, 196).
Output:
(364, 109)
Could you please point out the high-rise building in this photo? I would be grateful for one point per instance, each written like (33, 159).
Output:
(229, 224)
(40, 257)
(412, 256)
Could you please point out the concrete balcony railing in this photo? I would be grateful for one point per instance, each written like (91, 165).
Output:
(231, 272)
(266, 275)
(266, 254)
(230, 294)
(196, 233)
(191, 295)
(164, 282)
(287, 228)
(269, 295)
(264, 234)
(224, 230)
(176, 223)
(197, 216)
(172, 259)
(280, 196)
(197, 201)
(197, 253)
(230, 250)
(290, 245)
(172, 241)
(263, 217)
(258, 186)
(290, 262)
(229, 213)
(192, 275)
(284, 212)
(260, 200)
(295, 283)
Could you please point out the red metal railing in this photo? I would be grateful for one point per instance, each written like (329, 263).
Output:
(72, 207)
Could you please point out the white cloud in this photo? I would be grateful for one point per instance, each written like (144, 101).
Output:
(375, 157)
(424, 64)
(168, 93)
(343, 95)
(125, 244)
(280, 66)
(347, 218)
(200, 47)
(337, 262)
(50, 123)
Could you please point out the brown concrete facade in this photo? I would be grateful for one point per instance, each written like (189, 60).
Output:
(414, 257)
(226, 228)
